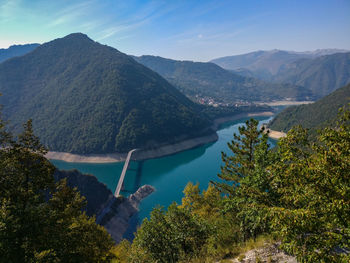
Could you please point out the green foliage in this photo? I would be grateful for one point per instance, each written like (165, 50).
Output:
(40, 220)
(240, 165)
(121, 252)
(85, 97)
(313, 116)
(246, 180)
(209, 205)
(171, 236)
(313, 181)
(298, 193)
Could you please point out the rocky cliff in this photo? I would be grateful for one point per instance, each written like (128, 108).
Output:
(111, 212)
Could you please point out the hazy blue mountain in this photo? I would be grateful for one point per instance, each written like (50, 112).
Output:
(16, 51)
(320, 75)
(85, 97)
(315, 115)
(266, 64)
(208, 79)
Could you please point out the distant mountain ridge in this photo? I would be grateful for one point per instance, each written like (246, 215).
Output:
(269, 62)
(208, 79)
(313, 116)
(85, 97)
(320, 75)
(320, 72)
(16, 51)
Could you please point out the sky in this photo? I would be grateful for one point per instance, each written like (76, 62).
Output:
(198, 30)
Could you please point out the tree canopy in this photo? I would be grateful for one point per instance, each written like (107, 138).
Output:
(85, 97)
(42, 220)
(297, 193)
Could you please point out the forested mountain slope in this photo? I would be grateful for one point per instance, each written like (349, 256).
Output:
(321, 75)
(266, 64)
(208, 79)
(318, 73)
(85, 97)
(315, 115)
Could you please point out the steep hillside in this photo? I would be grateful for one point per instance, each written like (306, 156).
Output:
(85, 97)
(321, 75)
(208, 79)
(111, 212)
(315, 115)
(16, 51)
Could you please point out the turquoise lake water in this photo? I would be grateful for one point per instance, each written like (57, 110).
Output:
(169, 175)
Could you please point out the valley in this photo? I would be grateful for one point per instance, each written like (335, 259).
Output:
(234, 150)
(168, 175)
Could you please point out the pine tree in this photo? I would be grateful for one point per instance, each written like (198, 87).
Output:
(247, 181)
(40, 220)
(240, 164)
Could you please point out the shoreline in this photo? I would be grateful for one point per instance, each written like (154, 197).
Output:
(158, 152)
(275, 134)
(286, 102)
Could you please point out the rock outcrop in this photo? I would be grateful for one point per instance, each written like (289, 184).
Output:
(267, 253)
(111, 212)
(117, 214)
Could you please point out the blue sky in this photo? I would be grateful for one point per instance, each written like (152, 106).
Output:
(187, 29)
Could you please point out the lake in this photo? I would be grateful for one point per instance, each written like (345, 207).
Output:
(169, 175)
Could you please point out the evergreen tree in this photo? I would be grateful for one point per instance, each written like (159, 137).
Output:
(240, 164)
(40, 220)
(247, 180)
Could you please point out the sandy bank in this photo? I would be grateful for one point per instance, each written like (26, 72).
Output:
(275, 134)
(285, 103)
(139, 155)
(86, 158)
(151, 153)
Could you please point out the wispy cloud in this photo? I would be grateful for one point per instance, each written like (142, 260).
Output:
(72, 12)
(145, 15)
(8, 8)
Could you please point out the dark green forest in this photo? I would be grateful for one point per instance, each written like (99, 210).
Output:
(85, 97)
(313, 116)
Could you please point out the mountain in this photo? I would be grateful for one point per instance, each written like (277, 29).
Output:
(320, 75)
(266, 64)
(16, 51)
(85, 97)
(315, 115)
(208, 79)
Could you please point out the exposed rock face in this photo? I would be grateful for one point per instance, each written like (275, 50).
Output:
(115, 217)
(268, 253)
(111, 212)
